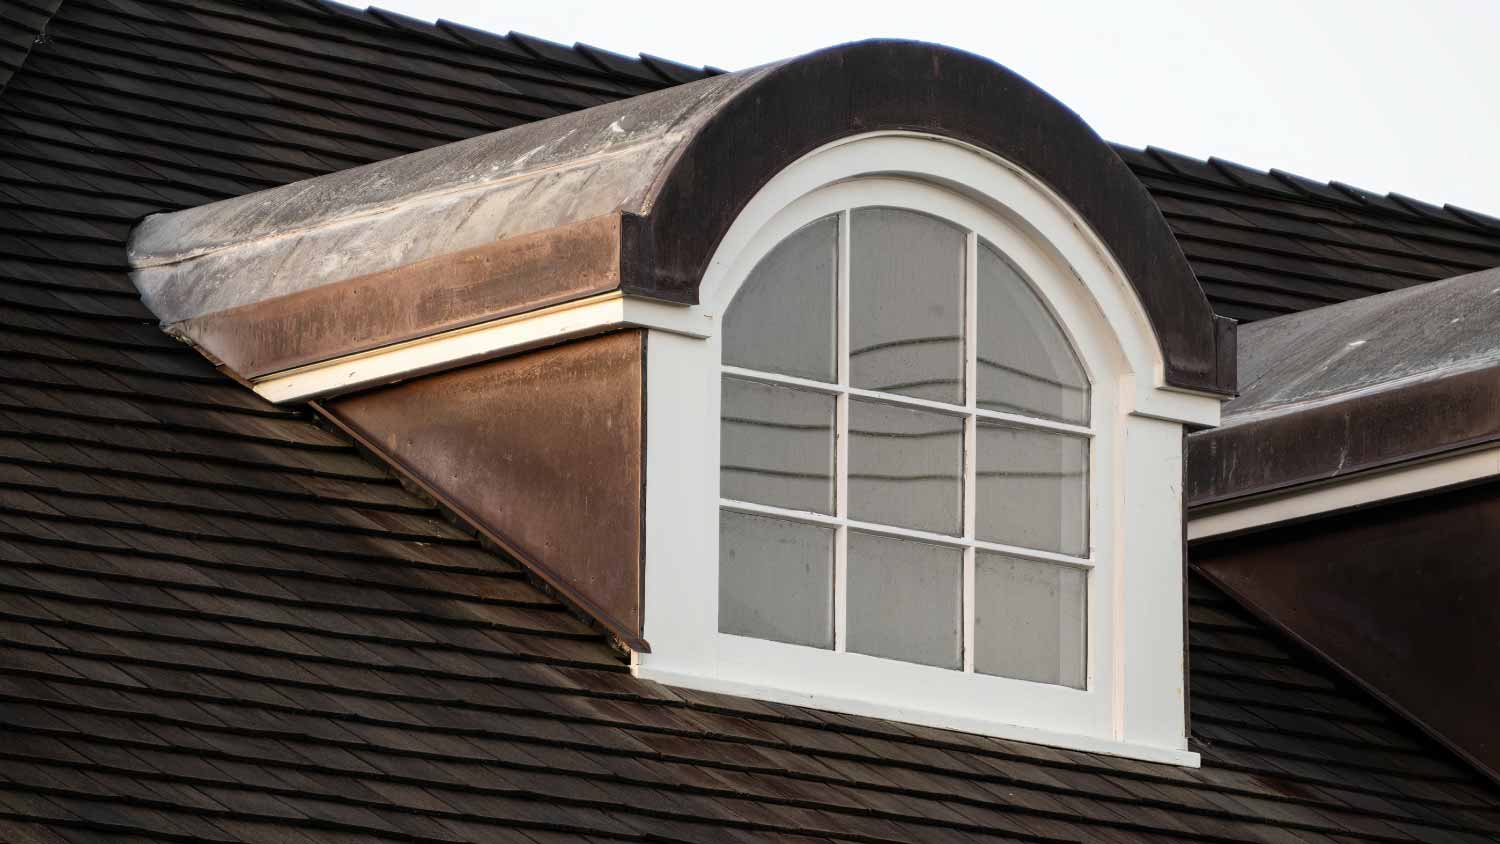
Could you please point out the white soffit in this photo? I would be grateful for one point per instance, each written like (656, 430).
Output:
(572, 320)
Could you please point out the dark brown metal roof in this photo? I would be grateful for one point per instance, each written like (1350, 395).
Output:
(1357, 386)
(304, 272)
(219, 621)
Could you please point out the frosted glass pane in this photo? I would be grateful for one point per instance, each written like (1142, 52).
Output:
(905, 600)
(782, 320)
(776, 446)
(1032, 489)
(905, 467)
(1026, 364)
(906, 316)
(1030, 620)
(775, 580)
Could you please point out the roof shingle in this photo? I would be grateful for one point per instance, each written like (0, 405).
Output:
(219, 622)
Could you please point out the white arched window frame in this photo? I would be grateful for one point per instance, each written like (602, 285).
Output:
(1132, 700)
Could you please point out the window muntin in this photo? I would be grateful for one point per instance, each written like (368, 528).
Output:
(960, 475)
(1025, 363)
(905, 467)
(776, 579)
(906, 304)
(784, 322)
(776, 445)
(1030, 620)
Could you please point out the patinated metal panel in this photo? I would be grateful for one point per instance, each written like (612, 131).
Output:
(543, 450)
(438, 294)
(1371, 431)
(1403, 598)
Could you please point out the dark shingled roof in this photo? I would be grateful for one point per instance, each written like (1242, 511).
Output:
(1266, 244)
(22, 24)
(219, 622)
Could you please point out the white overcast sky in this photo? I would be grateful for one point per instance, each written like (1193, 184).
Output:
(1384, 95)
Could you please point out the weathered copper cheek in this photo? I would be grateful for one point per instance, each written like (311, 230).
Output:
(543, 452)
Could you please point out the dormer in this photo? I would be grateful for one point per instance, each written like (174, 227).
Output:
(857, 381)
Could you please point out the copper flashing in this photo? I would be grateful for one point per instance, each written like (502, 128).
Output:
(541, 452)
(674, 167)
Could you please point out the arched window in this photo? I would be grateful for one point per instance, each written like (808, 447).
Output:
(904, 452)
(923, 467)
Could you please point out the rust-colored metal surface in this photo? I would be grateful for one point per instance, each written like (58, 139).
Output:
(438, 294)
(543, 451)
(1404, 598)
(682, 163)
(1364, 432)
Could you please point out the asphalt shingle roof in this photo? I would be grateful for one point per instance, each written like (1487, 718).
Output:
(219, 621)
(1267, 244)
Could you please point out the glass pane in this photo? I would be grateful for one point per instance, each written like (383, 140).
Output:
(1032, 489)
(905, 467)
(1026, 364)
(905, 600)
(776, 446)
(782, 320)
(1030, 620)
(775, 580)
(906, 316)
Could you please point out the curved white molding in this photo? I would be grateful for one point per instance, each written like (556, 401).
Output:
(1009, 192)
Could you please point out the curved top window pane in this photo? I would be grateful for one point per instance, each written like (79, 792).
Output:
(782, 320)
(1026, 364)
(906, 315)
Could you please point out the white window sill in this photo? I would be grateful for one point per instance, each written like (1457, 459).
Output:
(947, 721)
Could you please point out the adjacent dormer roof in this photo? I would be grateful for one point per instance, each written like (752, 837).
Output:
(1349, 388)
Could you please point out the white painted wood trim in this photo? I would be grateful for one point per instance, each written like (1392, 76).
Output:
(1358, 490)
(979, 726)
(1003, 189)
(495, 338)
(967, 409)
(946, 540)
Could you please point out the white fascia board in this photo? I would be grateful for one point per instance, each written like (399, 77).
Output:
(944, 721)
(495, 338)
(1348, 493)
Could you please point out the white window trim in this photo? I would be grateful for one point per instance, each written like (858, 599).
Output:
(1134, 703)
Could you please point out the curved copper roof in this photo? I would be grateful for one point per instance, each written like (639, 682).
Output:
(635, 196)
